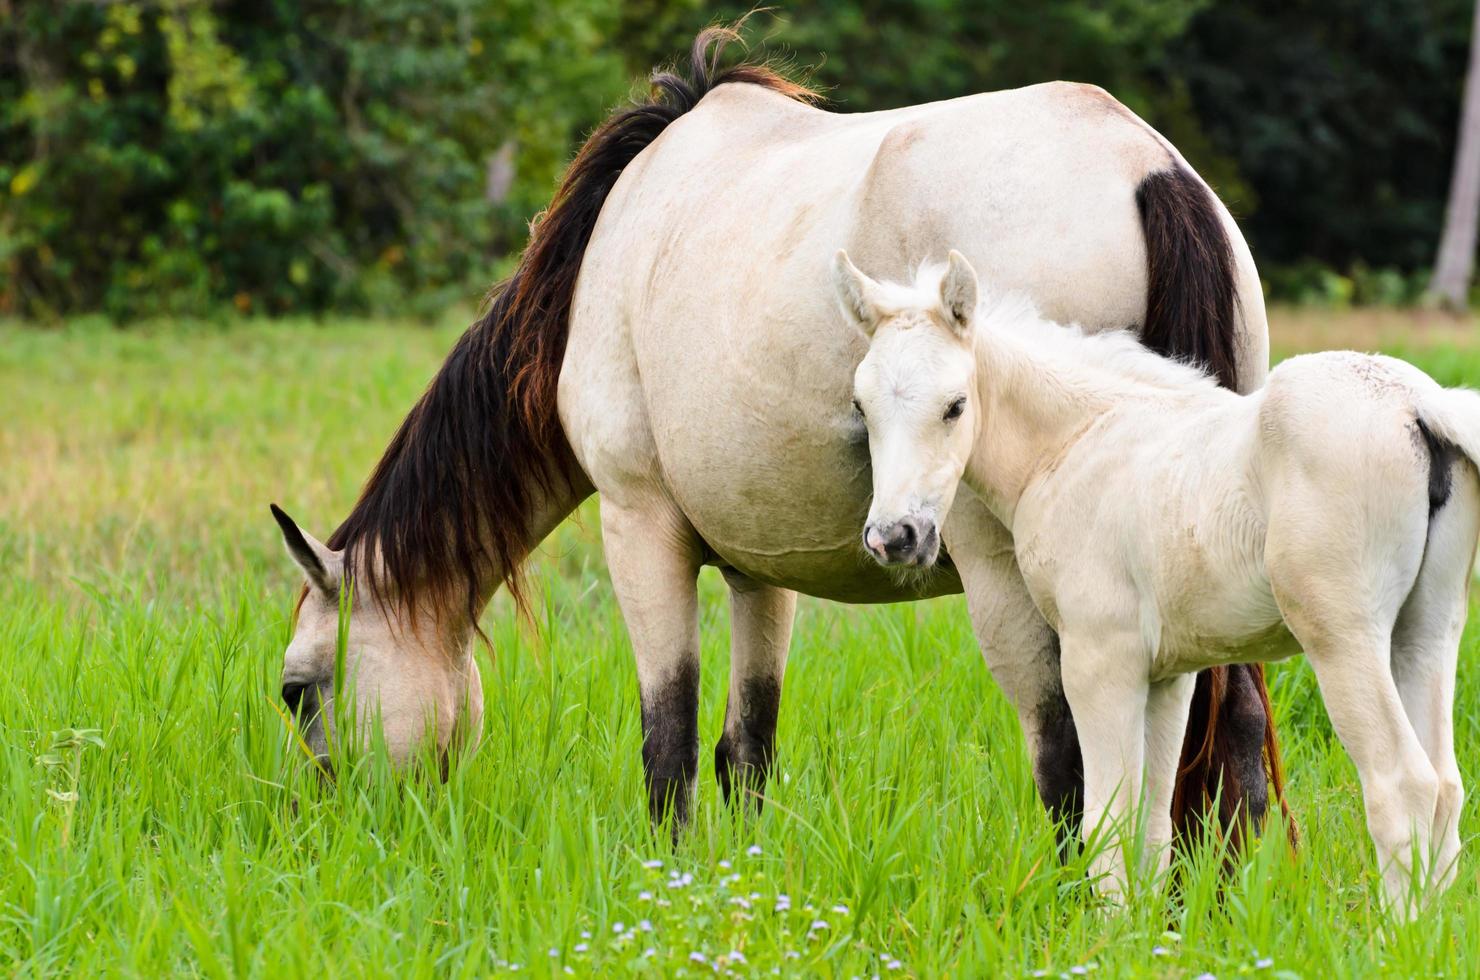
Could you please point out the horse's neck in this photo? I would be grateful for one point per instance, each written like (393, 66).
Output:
(1034, 405)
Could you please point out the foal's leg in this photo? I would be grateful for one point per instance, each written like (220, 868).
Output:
(1106, 685)
(653, 557)
(1022, 653)
(1426, 650)
(1167, 704)
(1341, 625)
(760, 634)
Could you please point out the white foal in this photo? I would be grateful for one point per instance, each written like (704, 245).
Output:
(1164, 524)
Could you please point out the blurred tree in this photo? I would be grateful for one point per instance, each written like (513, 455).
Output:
(1456, 262)
(163, 156)
(1338, 113)
(175, 155)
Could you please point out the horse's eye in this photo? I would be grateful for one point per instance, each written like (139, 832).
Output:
(858, 408)
(953, 412)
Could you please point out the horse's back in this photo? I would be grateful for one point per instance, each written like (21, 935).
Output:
(706, 356)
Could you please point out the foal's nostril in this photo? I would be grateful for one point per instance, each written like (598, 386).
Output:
(293, 695)
(906, 535)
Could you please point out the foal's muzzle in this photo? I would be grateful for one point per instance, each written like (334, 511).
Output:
(910, 540)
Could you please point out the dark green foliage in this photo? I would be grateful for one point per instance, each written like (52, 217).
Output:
(1341, 113)
(183, 156)
(175, 156)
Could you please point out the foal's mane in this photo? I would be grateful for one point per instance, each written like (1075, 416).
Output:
(451, 500)
(1101, 356)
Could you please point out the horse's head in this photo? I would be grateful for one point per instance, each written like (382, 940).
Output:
(916, 392)
(416, 680)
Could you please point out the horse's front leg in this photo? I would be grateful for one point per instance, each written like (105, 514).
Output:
(760, 633)
(1105, 681)
(653, 557)
(1022, 653)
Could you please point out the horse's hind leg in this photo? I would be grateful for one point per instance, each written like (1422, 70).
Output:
(653, 556)
(1022, 653)
(760, 634)
(1426, 649)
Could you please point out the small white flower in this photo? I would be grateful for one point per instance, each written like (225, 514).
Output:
(819, 924)
(618, 926)
(792, 954)
(1078, 971)
(736, 956)
(654, 863)
(725, 865)
(840, 908)
(663, 903)
(698, 957)
(894, 965)
(645, 926)
(754, 850)
(569, 971)
(1263, 963)
(554, 951)
(585, 934)
(644, 896)
(649, 953)
(1160, 951)
(581, 947)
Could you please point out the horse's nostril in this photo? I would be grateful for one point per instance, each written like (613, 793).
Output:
(293, 696)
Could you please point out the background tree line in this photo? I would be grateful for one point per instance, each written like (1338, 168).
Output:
(185, 156)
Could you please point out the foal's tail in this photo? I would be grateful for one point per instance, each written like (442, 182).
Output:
(1230, 757)
(1453, 416)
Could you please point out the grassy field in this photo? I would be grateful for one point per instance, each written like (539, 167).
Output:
(145, 596)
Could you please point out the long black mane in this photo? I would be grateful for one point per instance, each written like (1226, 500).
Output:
(450, 502)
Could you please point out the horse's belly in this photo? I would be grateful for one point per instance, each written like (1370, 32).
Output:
(789, 510)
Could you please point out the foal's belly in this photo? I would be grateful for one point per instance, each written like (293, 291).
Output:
(1194, 653)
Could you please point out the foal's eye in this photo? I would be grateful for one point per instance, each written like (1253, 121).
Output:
(954, 410)
(858, 408)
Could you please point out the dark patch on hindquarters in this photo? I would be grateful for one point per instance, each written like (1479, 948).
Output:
(744, 753)
(1440, 455)
(670, 744)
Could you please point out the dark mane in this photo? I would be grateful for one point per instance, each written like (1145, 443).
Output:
(452, 497)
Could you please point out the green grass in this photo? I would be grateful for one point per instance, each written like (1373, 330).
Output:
(145, 595)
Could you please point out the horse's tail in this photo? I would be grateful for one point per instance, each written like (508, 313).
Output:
(454, 495)
(1231, 754)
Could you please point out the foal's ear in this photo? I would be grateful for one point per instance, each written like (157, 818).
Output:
(323, 567)
(857, 294)
(958, 291)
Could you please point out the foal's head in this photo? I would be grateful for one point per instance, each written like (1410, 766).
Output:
(416, 682)
(916, 392)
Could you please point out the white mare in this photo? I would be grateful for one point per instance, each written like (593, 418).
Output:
(1164, 524)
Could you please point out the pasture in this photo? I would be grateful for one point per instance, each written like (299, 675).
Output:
(145, 597)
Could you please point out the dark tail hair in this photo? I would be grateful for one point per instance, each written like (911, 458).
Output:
(1192, 315)
(452, 497)
(1191, 299)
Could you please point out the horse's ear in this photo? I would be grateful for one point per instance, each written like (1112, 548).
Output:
(323, 567)
(857, 294)
(958, 291)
